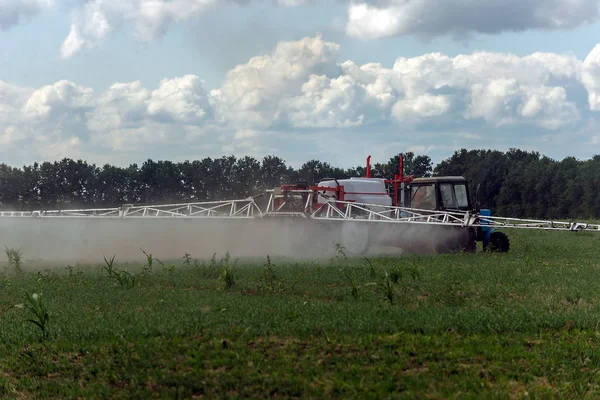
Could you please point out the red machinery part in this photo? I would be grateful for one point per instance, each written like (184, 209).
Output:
(339, 191)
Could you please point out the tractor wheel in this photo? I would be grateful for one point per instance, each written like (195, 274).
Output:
(499, 243)
(355, 238)
(471, 242)
(464, 242)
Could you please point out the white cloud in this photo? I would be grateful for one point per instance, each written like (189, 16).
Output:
(591, 77)
(470, 136)
(252, 93)
(422, 106)
(302, 89)
(371, 19)
(52, 149)
(506, 102)
(12, 98)
(245, 134)
(149, 19)
(12, 12)
(128, 115)
(179, 100)
(93, 20)
(10, 135)
(325, 102)
(61, 99)
(295, 3)
(302, 85)
(123, 105)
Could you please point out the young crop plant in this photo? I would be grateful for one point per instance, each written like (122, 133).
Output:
(372, 271)
(37, 307)
(353, 285)
(388, 288)
(228, 278)
(47, 275)
(170, 269)
(109, 265)
(198, 264)
(226, 258)
(396, 274)
(125, 278)
(340, 252)
(14, 258)
(149, 260)
(269, 273)
(73, 275)
(415, 273)
(147, 269)
(269, 277)
(574, 300)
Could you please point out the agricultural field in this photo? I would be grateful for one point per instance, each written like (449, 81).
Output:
(523, 324)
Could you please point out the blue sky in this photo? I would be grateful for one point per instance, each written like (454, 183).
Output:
(309, 100)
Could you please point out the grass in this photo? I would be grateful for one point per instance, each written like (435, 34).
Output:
(486, 325)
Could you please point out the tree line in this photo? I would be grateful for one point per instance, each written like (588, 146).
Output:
(514, 183)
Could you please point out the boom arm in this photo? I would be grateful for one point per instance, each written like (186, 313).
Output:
(332, 209)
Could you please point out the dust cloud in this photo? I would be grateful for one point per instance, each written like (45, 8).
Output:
(64, 240)
(88, 240)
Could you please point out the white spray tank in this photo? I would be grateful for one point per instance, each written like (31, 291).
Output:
(360, 190)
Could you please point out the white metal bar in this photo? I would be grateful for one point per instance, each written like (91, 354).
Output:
(247, 208)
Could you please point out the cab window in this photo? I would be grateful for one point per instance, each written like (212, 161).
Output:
(461, 195)
(423, 196)
(448, 200)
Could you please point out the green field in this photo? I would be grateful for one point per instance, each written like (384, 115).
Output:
(523, 324)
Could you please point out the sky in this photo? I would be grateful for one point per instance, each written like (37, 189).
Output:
(119, 82)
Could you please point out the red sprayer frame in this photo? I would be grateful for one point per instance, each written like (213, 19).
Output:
(339, 191)
(398, 178)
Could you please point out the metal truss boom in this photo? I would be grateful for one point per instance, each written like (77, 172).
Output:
(330, 210)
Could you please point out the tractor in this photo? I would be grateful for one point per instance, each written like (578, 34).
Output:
(432, 207)
(451, 193)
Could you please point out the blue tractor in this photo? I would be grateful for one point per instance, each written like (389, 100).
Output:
(451, 193)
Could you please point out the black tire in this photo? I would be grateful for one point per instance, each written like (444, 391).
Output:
(471, 245)
(499, 243)
(463, 240)
(355, 238)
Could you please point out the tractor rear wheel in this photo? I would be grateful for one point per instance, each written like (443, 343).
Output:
(355, 237)
(499, 243)
(471, 241)
(459, 240)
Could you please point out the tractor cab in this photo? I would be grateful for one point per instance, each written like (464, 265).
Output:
(440, 193)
